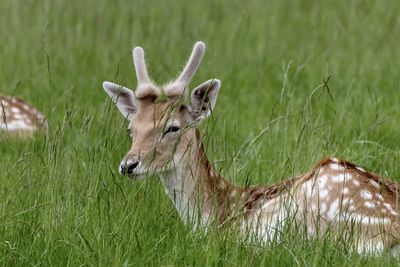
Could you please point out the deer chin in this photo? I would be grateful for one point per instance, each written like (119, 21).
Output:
(142, 173)
(138, 176)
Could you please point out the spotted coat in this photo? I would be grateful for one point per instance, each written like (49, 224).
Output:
(335, 195)
(19, 118)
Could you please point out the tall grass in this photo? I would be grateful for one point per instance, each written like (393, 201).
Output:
(300, 80)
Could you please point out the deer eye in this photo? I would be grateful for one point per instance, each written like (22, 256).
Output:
(171, 129)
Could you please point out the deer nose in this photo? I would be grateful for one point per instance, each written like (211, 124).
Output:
(128, 167)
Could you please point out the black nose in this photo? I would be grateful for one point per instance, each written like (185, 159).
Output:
(128, 167)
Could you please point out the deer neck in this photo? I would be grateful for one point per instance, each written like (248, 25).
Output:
(195, 188)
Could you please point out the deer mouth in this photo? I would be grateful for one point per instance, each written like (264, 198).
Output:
(141, 174)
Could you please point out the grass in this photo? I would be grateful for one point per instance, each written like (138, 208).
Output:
(300, 80)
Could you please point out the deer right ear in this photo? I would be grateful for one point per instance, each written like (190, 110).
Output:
(122, 97)
(203, 99)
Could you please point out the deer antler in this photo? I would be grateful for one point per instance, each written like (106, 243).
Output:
(145, 86)
(178, 88)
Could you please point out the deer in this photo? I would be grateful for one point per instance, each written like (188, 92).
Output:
(335, 195)
(19, 119)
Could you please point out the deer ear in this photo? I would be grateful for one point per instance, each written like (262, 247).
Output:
(204, 98)
(122, 97)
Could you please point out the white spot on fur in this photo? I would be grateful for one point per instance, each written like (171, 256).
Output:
(334, 160)
(388, 206)
(369, 204)
(322, 180)
(366, 194)
(345, 190)
(374, 184)
(341, 178)
(333, 209)
(26, 107)
(336, 167)
(222, 184)
(346, 201)
(356, 182)
(323, 193)
(18, 116)
(233, 193)
(323, 207)
(360, 169)
(15, 110)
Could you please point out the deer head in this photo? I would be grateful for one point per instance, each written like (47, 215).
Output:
(162, 131)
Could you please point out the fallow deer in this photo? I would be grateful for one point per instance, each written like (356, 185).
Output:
(19, 119)
(334, 195)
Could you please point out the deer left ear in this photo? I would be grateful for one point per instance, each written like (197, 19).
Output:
(122, 97)
(204, 98)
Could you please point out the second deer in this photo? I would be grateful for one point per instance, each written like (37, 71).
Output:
(19, 119)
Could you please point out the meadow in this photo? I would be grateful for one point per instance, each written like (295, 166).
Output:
(301, 80)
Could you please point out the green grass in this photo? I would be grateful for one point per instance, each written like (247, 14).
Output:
(62, 199)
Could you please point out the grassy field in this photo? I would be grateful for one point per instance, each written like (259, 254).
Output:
(300, 81)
